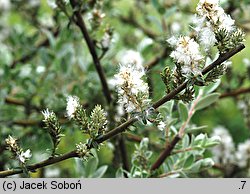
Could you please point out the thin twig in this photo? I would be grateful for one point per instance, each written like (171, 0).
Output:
(131, 21)
(26, 104)
(157, 59)
(103, 54)
(190, 114)
(81, 24)
(30, 122)
(219, 167)
(181, 151)
(235, 93)
(44, 163)
(17, 102)
(138, 139)
(116, 130)
(168, 150)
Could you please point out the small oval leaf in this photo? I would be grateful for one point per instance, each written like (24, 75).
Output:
(189, 161)
(91, 166)
(100, 172)
(183, 111)
(207, 100)
(211, 87)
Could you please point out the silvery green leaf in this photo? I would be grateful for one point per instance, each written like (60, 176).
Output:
(170, 162)
(144, 143)
(195, 128)
(200, 139)
(91, 166)
(195, 167)
(6, 55)
(211, 87)
(207, 100)
(100, 172)
(171, 122)
(133, 170)
(189, 161)
(199, 148)
(148, 154)
(180, 162)
(207, 163)
(170, 12)
(155, 20)
(183, 174)
(156, 4)
(183, 111)
(119, 173)
(166, 167)
(79, 167)
(185, 141)
(213, 141)
(167, 108)
(51, 37)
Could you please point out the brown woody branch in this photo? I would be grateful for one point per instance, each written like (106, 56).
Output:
(157, 59)
(81, 24)
(133, 22)
(30, 122)
(235, 93)
(14, 101)
(168, 150)
(27, 104)
(125, 125)
(38, 165)
(171, 95)
(221, 59)
(138, 139)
